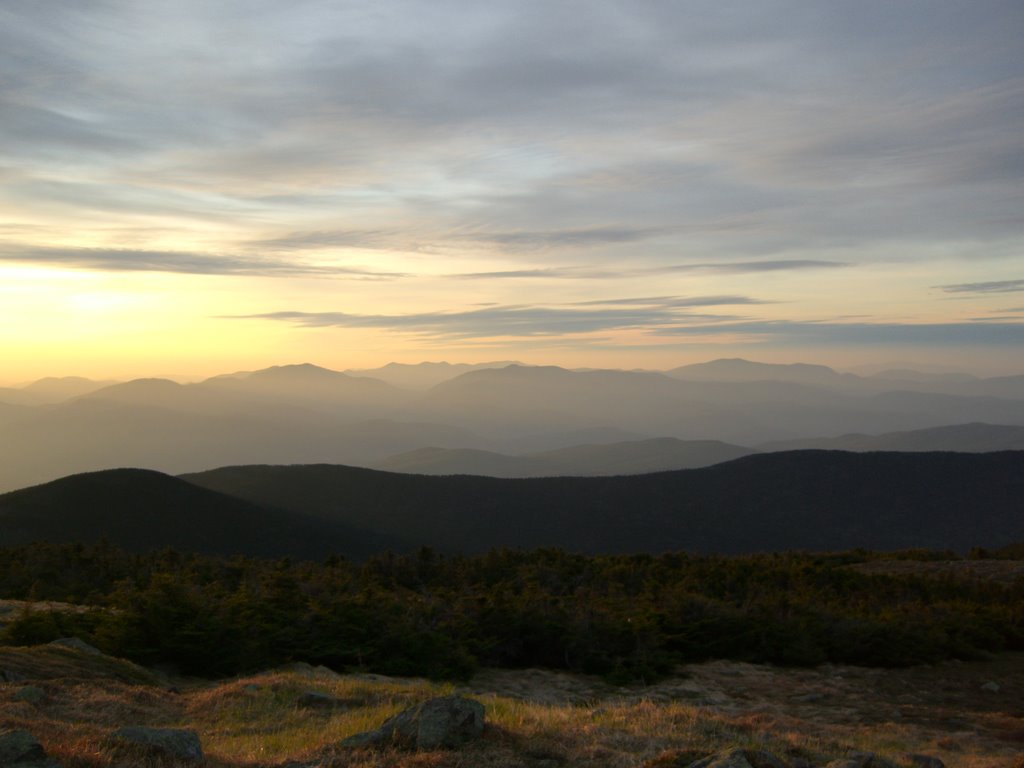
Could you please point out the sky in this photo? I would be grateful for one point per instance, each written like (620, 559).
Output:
(190, 188)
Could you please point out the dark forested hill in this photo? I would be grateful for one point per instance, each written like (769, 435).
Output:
(813, 500)
(142, 510)
(633, 457)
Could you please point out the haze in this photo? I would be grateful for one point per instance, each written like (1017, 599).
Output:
(496, 419)
(196, 188)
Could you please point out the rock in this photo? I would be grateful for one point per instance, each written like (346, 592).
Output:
(9, 676)
(446, 721)
(740, 758)
(19, 749)
(175, 743)
(991, 687)
(33, 694)
(868, 760)
(924, 761)
(317, 700)
(808, 698)
(77, 643)
(676, 758)
(319, 672)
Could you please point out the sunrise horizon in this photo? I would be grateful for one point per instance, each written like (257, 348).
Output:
(201, 189)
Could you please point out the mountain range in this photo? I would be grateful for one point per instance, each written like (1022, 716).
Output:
(300, 414)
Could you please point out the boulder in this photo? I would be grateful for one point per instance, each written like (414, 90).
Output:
(740, 758)
(317, 700)
(19, 749)
(446, 721)
(33, 694)
(77, 643)
(991, 686)
(175, 743)
(868, 760)
(924, 761)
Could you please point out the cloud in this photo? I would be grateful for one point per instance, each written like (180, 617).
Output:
(725, 268)
(503, 320)
(572, 238)
(675, 301)
(878, 334)
(316, 240)
(995, 286)
(185, 262)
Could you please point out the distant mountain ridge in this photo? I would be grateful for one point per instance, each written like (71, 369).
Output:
(305, 413)
(975, 437)
(423, 376)
(621, 458)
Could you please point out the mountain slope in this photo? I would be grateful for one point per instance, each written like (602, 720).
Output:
(142, 510)
(975, 437)
(422, 376)
(817, 500)
(621, 458)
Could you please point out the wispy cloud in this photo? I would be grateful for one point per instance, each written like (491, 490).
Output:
(558, 238)
(321, 239)
(674, 301)
(588, 273)
(504, 320)
(876, 334)
(185, 262)
(995, 286)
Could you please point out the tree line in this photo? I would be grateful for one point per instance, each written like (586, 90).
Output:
(628, 617)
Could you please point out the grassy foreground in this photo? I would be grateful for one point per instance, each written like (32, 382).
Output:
(535, 718)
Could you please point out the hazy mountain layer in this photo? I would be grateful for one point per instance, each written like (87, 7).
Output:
(814, 500)
(308, 414)
(423, 376)
(971, 438)
(623, 458)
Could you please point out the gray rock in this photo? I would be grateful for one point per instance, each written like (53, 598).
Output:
(740, 758)
(317, 700)
(175, 743)
(78, 644)
(33, 694)
(991, 687)
(446, 721)
(869, 760)
(808, 698)
(924, 761)
(19, 749)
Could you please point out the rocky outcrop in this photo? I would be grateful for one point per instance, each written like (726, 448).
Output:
(318, 700)
(749, 758)
(32, 694)
(740, 758)
(19, 749)
(175, 743)
(443, 722)
(77, 644)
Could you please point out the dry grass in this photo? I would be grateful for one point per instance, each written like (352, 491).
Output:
(548, 721)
